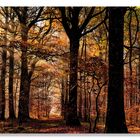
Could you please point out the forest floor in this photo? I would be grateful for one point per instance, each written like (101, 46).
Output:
(41, 126)
(50, 126)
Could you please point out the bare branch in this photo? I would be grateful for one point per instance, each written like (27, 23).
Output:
(65, 20)
(93, 28)
(88, 18)
(36, 18)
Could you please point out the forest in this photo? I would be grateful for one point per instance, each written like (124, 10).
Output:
(70, 70)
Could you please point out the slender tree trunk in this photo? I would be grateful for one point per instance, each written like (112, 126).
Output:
(80, 97)
(11, 73)
(2, 84)
(85, 84)
(38, 106)
(66, 98)
(97, 111)
(85, 100)
(72, 117)
(90, 106)
(115, 121)
(130, 63)
(62, 98)
(81, 84)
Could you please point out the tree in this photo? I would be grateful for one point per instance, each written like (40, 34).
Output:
(115, 120)
(11, 67)
(75, 30)
(27, 18)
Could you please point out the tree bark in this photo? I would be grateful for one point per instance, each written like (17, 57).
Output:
(130, 66)
(115, 120)
(66, 98)
(11, 74)
(23, 114)
(2, 84)
(72, 116)
(80, 97)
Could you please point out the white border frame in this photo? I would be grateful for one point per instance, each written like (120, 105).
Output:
(69, 2)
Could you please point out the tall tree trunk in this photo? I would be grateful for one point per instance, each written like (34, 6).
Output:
(85, 99)
(81, 84)
(80, 97)
(16, 91)
(97, 111)
(2, 84)
(23, 17)
(11, 73)
(23, 114)
(115, 121)
(90, 105)
(86, 118)
(72, 117)
(66, 98)
(132, 96)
